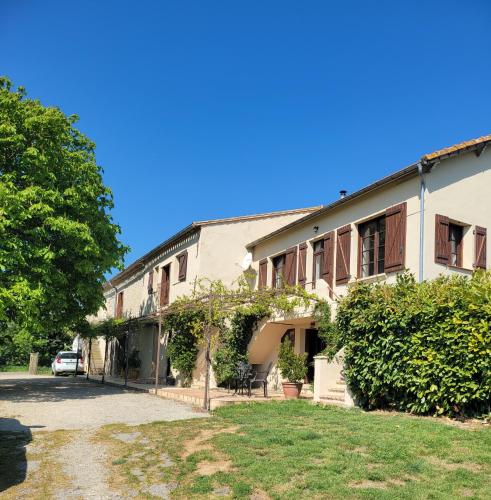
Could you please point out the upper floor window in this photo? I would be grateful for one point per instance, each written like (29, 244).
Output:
(278, 271)
(150, 282)
(318, 260)
(455, 235)
(372, 247)
(182, 260)
(119, 305)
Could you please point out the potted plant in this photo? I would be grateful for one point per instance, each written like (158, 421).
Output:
(293, 368)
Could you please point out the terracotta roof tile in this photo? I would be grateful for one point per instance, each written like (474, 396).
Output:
(457, 148)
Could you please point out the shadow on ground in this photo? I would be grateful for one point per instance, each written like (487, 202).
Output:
(53, 389)
(13, 460)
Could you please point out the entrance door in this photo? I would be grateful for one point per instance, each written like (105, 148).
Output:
(313, 346)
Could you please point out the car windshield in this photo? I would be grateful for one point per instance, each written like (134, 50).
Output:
(68, 355)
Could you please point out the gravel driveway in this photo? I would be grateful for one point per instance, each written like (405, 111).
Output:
(44, 403)
(50, 403)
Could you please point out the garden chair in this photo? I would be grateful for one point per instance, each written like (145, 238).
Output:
(261, 377)
(243, 374)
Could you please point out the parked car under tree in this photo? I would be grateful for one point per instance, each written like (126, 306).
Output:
(66, 362)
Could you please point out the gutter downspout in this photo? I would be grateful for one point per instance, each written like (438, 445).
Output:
(422, 188)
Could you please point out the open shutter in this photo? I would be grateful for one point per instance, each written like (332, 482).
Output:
(165, 286)
(343, 254)
(302, 264)
(150, 281)
(395, 238)
(480, 242)
(328, 261)
(119, 305)
(442, 244)
(183, 265)
(263, 273)
(291, 266)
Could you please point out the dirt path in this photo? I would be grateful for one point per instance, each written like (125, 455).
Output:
(84, 464)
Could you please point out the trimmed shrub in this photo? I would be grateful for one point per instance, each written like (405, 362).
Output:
(419, 347)
(293, 367)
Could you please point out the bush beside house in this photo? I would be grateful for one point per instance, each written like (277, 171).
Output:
(418, 347)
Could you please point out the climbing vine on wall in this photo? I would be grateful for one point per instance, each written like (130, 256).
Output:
(183, 344)
(234, 341)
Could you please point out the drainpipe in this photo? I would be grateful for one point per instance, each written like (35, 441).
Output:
(422, 189)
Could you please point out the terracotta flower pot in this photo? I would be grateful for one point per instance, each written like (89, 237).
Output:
(292, 390)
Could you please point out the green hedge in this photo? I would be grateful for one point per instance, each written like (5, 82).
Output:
(423, 348)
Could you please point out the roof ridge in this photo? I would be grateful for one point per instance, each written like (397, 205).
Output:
(275, 213)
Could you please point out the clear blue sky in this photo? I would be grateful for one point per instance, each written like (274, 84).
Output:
(210, 109)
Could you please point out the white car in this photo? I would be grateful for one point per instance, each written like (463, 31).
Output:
(66, 361)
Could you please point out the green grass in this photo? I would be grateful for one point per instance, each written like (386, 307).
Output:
(298, 450)
(42, 370)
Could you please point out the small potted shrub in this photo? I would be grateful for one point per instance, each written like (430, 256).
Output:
(293, 368)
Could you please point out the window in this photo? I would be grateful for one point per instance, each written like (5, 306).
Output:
(372, 247)
(182, 260)
(119, 305)
(455, 234)
(278, 271)
(150, 282)
(318, 260)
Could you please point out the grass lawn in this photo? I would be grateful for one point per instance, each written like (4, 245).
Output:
(42, 370)
(298, 450)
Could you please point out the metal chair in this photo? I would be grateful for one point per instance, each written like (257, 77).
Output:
(243, 374)
(261, 377)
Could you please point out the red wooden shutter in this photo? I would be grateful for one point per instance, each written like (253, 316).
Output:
(343, 255)
(150, 281)
(480, 242)
(183, 265)
(263, 273)
(442, 244)
(302, 264)
(328, 261)
(395, 237)
(291, 266)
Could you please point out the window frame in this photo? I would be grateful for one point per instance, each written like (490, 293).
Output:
(376, 247)
(459, 254)
(317, 254)
(274, 273)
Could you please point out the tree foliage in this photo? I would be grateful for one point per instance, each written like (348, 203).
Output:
(57, 237)
(424, 348)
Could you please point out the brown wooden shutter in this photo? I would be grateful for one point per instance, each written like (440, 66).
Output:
(328, 261)
(343, 254)
(302, 264)
(183, 265)
(150, 281)
(442, 244)
(119, 305)
(291, 266)
(395, 237)
(165, 286)
(263, 273)
(480, 242)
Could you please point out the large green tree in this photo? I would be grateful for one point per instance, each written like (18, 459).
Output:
(57, 237)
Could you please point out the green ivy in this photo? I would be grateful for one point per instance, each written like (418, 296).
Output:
(234, 341)
(419, 347)
(183, 344)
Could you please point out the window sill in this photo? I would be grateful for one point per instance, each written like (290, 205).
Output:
(460, 268)
(373, 279)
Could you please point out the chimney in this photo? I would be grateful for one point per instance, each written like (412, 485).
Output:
(342, 193)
